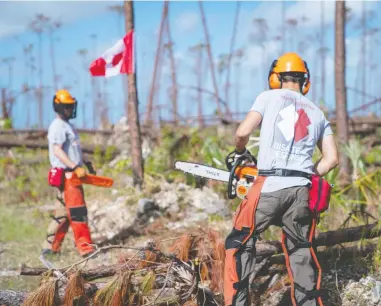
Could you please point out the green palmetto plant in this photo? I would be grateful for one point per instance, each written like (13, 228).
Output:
(354, 150)
(212, 153)
(365, 188)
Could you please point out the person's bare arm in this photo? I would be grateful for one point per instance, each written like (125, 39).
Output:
(330, 158)
(252, 121)
(62, 156)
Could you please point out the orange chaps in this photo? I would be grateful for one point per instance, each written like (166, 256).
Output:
(236, 275)
(243, 228)
(77, 213)
(70, 210)
(59, 229)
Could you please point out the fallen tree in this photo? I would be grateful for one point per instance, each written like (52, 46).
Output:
(158, 279)
(328, 238)
(89, 274)
(263, 249)
(174, 268)
(89, 149)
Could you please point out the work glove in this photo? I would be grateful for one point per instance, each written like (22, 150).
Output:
(90, 167)
(232, 157)
(79, 171)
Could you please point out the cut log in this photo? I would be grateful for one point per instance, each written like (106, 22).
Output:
(331, 253)
(45, 132)
(330, 238)
(90, 149)
(88, 275)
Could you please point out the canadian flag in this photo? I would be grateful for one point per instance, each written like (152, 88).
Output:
(119, 59)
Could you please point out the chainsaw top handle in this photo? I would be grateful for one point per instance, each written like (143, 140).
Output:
(232, 193)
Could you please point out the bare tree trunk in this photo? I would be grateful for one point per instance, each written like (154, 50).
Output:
(231, 51)
(33, 95)
(211, 61)
(105, 106)
(26, 86)
(341, 96)
(315, 77)
(237, 85)
(84, 115)
(174, 90)
(94, 98)
(363, 52)
(96, 94)
(53, 59)
(4, 110)
(283, 26)
(322, 35)
(133, 109)
(149, 116)
(40, 90)
(199, 72)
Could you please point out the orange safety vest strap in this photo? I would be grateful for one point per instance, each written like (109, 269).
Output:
(243, 228)
(309, 294)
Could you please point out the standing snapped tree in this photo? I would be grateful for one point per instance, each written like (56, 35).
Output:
(133, 109)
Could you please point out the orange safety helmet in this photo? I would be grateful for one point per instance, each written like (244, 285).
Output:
(288, 62)
(62, 101)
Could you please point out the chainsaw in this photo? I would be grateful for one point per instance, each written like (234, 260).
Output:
(240, 177)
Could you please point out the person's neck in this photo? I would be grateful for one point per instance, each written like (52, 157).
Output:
(62, 118)
(291, 86)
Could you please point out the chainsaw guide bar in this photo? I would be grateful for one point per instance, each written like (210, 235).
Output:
(203, 171)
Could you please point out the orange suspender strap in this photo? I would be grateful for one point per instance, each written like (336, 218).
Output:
(312, 235)
(313, 254)
(287, 260)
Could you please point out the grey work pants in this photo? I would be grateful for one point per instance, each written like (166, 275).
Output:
(289, 209)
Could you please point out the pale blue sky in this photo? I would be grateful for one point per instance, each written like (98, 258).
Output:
(81, 19)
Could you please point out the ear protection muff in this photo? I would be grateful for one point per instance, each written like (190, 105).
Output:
(307, 82)
(274, 79)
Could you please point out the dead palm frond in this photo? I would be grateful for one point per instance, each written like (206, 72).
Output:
(116, 293)
(182, 247)
(148, 283)
(45, 295)
(75, 290)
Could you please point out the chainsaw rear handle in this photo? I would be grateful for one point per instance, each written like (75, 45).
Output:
(232, 193)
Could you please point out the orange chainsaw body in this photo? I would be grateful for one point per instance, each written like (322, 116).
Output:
(246, 171)
(90, 179)
(245, 176)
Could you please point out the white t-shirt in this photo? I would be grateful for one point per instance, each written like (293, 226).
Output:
(290, 128)
(63, 132)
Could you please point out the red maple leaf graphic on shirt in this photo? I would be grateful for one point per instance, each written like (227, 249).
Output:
(301, 125)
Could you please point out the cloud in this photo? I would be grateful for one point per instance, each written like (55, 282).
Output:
(256, 56)
(15, 16)
(306, 13)
(187, 21)
(311, 11)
